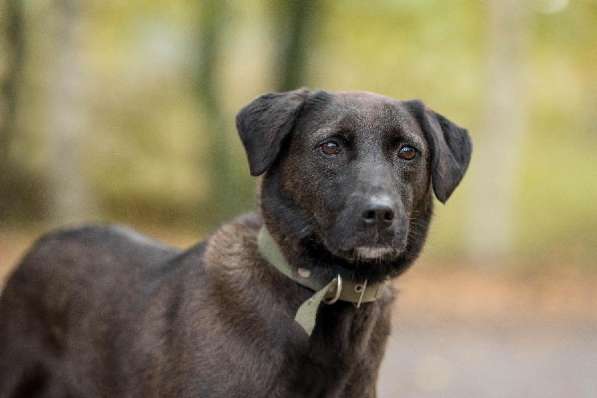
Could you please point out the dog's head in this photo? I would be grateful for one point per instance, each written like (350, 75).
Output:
(350, 175)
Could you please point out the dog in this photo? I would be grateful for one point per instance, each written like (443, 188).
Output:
(290, 301)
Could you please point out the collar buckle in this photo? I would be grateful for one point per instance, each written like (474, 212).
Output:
(360, 288)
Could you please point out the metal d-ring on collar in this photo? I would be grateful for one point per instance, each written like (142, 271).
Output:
(338, 291)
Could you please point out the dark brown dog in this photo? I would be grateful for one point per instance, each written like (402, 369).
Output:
(347, 190)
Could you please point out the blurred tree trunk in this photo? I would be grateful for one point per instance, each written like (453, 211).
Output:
(15, 46)
(13, 24)
(296, 25)
(294, 20)
(497, 148)
(212, 25)
(69, 198)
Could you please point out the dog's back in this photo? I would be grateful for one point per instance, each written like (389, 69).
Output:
(65, 297)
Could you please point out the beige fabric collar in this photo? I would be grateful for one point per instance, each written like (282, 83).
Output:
(326, 291)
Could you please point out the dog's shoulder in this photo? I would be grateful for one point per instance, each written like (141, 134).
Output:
(231, 246)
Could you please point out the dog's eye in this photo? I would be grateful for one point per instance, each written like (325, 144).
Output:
(330, 148)
(407, 152)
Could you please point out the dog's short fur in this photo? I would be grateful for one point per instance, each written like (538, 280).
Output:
(105, 312)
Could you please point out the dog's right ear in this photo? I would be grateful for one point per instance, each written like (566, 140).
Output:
(265, 122)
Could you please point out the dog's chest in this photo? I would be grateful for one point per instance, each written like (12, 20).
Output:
(343, 354)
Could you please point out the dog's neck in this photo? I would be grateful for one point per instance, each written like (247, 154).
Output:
(315, 279)
(341, 288)
(343, 355)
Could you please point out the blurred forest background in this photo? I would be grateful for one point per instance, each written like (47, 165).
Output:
(123, 111)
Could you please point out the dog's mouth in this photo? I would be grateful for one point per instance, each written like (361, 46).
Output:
(364, 245)
(373, 252)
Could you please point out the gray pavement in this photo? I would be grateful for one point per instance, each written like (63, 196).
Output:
(508, 360)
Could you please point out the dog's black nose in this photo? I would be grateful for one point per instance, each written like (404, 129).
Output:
(378, 214)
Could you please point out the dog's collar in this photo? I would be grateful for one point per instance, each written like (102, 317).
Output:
(327, 291)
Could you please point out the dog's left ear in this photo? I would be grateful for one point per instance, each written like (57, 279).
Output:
(450, 147)
(265, 122)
